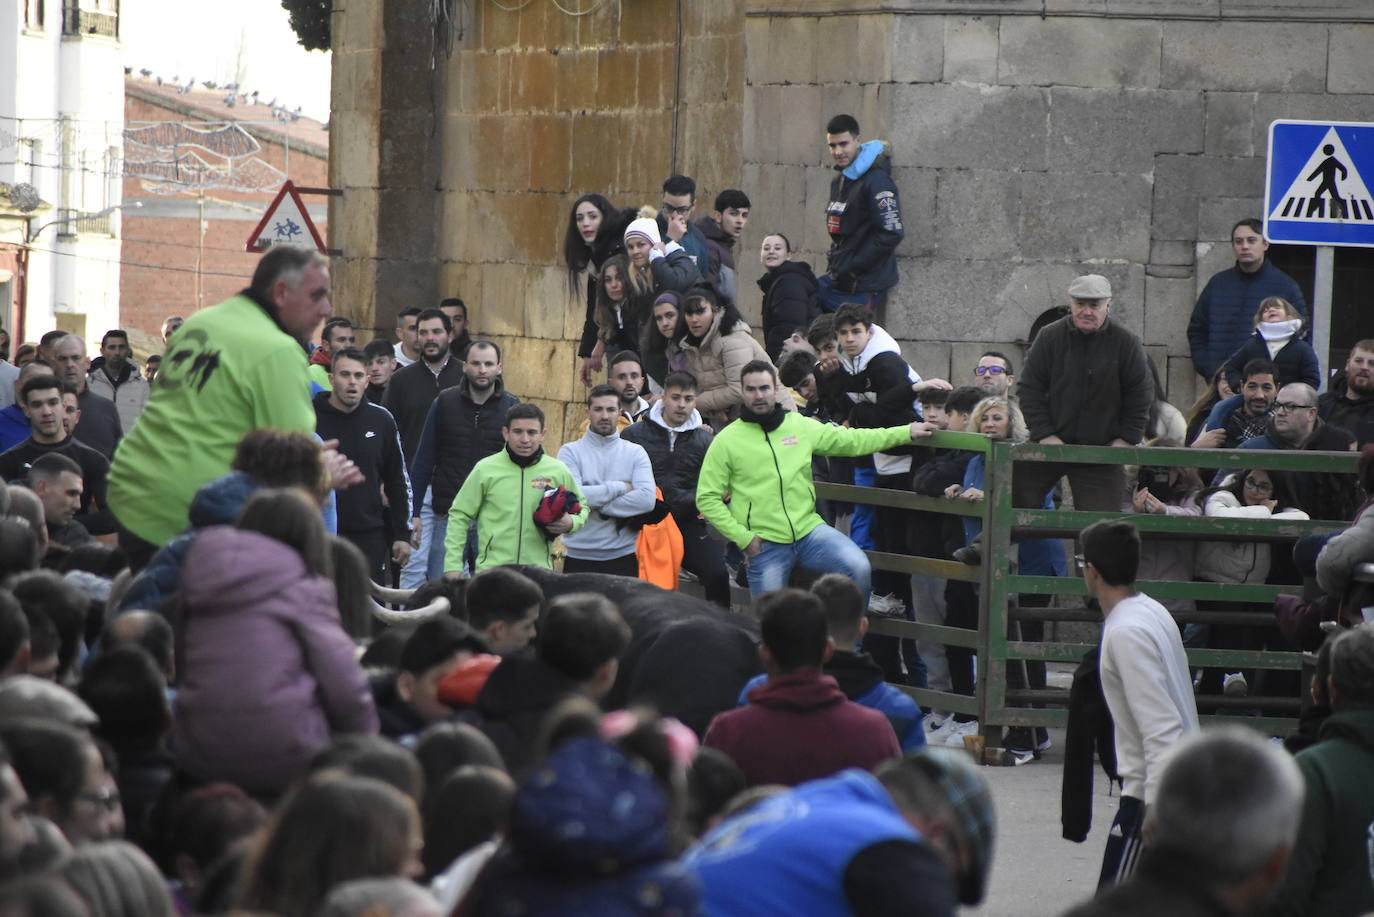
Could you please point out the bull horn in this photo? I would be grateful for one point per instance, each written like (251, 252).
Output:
(387, 594)
(440, 606)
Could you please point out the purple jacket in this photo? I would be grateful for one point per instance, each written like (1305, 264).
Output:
(268, 673)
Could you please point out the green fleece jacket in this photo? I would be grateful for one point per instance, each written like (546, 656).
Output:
(1329, 874)
(228, 370)
(502, 497)
(768, 474)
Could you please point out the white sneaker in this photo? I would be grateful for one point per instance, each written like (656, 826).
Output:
(941, 732)
(934, 720)
(955, 738)
(887, 606)
(1235, 685)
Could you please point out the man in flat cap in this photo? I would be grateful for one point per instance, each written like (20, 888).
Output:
(1086, 381)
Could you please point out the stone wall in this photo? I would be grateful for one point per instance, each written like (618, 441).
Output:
(1036, 140)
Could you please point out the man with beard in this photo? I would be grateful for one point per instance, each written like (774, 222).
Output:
(616, 481)
(408, 397)
(1295, 425)
(462, 428)
(626, 377)
(1350, 402)
(993, 374)
(763, 462)
(1246, 415)
(118, 379)
(367, 435)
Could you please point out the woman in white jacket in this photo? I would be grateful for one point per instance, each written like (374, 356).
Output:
(1252, 494)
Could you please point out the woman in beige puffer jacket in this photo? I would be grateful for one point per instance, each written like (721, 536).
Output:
(718, 345)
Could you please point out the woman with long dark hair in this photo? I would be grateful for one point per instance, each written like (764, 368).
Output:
(659, 344)
(718, 345)
(594, 233)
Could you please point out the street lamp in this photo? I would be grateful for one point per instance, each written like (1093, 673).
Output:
(85, 216)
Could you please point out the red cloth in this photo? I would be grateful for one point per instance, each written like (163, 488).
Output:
(557, 501)
(462, 684)
(320, 356)
(800, 727)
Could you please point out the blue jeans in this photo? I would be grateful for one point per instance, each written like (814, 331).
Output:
(414, 573)
(831, 299)
(437, 552)
(822, 550)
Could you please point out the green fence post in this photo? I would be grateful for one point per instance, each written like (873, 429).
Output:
(992, 604)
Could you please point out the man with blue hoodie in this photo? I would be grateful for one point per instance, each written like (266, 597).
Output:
(616, 480)
(864, 219)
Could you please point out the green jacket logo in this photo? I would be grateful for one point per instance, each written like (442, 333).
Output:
(191, 362)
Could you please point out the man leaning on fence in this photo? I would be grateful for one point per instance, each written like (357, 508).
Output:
(1086, 381)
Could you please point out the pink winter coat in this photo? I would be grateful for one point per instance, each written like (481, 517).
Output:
(268, 674)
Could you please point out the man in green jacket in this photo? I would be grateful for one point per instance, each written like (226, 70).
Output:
(1329, 874)
(761, 464)
(229, 369)
(502, 492)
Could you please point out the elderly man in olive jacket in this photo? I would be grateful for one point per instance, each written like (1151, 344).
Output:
(1086, 381)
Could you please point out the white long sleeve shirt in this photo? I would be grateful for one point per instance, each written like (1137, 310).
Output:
(1149, 690)
(616, 480)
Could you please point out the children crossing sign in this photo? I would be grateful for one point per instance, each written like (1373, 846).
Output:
(1315, 190)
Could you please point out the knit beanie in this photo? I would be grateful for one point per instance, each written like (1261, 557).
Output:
(647, 229)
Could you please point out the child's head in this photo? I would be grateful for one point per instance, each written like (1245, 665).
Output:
(933, 406)
(821, 336)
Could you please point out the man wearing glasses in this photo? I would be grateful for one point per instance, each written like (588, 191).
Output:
(680, 199)
(993, 374)
(1323, 495)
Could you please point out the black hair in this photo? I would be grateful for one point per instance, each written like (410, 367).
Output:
(603, 390)
(206, 822)
(500, 594)
(471, 806)
(933, 397)
(998, 355)
(821, 330)
(337, 322)
(1248, 222)
(1113, 548)
(625, 356)
(785, 241)
(798, 365)
(51, 464)
(125, 689)
(51, 337)
(350, 353)
(731, 198)
(378, 348)
(677, 185)
(114, 333)
(444, 747)
(434, 642)
(842, 124)
(45, 593)
(407, 313)
(731, 317)
(964, 399)
(1258, 367)
(844, 605)
(580, 633)
(14, 628)
(682, 379)
(482, 342)
(49, 757)
(431, 314)
(651, 340)
(38, 383)
(154, 358)
(713, 779)
(853, 313)
(153, 636)
(375, 757)
(576, 253)
(454, 301)
(793, 626)
(524, 411)
(441, 587)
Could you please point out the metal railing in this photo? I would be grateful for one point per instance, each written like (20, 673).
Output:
(995, 702)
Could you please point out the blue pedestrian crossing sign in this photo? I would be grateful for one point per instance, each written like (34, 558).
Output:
(1315, 191)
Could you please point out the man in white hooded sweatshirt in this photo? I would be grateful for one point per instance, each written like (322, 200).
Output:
(676, 440)
(616, 480)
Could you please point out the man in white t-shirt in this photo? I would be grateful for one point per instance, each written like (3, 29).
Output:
(1145, 680)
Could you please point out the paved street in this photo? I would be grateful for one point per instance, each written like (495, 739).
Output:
(1036, 873)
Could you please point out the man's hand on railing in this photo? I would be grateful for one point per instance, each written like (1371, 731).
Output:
(1211, 439)
(1119, 442)
(1051, 440)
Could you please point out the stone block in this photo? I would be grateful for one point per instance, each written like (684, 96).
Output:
(1270, 107)
(1183, 385)
(1230, 124)
(549, 139)
(970, 50)
(356, 77)
(644, 23)
(1168, 306)
(968, 127)
(355, 144)
(1218, 215)
(1144, 8)
(832, 64)
(459, 232)
(592, 168)
(503, 301)
(1086, 216)
(758, 51)
(762, 123)
(1222, 56)
(799, 140)
(964, 356)
(462, 77)
(465, 281)
(794, 49)
(354, 226)
(357, 28)
(1349, 65)
(616, 77)
(548, 306)
(1173, 253)
(1181, 181)
(977, 212)
(1079, 51)
(918, 48)
(407, 150)
(533, 26)
(703, 77)
(812, 232)
(1104, 130)
(536, 81)
(577, 72)
(875, 46)
(917, 191)
(1212, 257)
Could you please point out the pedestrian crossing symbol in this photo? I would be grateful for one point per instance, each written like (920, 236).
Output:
(1315, 193)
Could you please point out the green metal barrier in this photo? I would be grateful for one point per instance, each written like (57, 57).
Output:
(995, 703)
